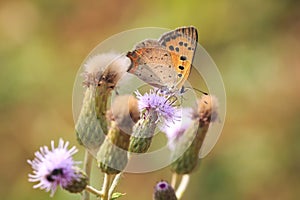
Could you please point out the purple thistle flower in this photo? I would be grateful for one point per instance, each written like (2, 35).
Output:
(176, 130)
(157, 102)
(163, 191)
(53, 167)
(162, 185)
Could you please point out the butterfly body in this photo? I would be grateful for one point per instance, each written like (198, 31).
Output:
(165, 63)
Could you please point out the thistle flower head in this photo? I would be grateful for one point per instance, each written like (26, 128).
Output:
(176, 130)
(53, 167)
(158, 102)
(163, 191)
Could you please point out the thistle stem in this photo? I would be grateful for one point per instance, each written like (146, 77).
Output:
(94, 191)
(174, 180)
(182, 186)
(87, 165)
(114, 184)
(105, 186)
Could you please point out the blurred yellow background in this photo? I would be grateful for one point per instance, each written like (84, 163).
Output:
(255, 44)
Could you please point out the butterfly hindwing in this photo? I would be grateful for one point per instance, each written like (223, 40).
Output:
(148, 44)
(154, 66)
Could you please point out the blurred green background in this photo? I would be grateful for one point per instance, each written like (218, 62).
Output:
(255, 44)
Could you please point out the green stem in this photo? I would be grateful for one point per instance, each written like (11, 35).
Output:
(93, 191)
(114, 184)
(174, 180)
(87, 165)
(105, 186)
(182, 186)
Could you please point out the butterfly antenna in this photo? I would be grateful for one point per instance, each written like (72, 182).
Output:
(205, 93)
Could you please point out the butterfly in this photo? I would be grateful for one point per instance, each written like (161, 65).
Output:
(165, 63)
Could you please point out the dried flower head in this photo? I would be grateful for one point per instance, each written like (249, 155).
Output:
(206, 110)
(124, 110)
(53, 167)
(105, 68)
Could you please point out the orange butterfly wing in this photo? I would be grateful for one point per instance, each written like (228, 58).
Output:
(182, 44)
(153, 66)
(165, 63)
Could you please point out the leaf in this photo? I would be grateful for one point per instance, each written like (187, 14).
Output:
(116, 195)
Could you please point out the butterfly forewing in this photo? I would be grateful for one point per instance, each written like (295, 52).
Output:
(182, 44)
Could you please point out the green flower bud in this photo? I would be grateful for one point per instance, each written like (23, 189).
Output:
(88, 127)
(143, 131)
(112, 155)
(190, 144)
(79, 183)
(112, 159)
(187, 147)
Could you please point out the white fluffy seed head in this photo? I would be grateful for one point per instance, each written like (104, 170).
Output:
(107, 67)
(100, 62)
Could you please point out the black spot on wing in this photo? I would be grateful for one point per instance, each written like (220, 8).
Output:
(183, 58)
(181, 67)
